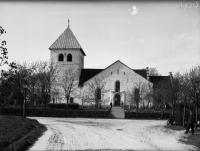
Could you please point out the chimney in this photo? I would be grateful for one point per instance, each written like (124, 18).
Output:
(147, 69)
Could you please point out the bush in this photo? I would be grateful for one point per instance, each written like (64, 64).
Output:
(178, 115)
(73, 106)
(35, 106)
(57, 112)
(168, 107)
(145, 115)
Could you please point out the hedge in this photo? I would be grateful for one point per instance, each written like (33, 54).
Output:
(64, 105)
(178, 114)
(146, 115)
(56, 113)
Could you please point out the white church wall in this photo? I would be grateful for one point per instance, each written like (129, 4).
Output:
(55, 87)
(119, 72)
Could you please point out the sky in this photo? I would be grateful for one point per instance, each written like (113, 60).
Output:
(163, 35)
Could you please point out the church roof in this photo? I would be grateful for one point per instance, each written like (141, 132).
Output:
(66, 40)
(142, 72)
(157, 80)
(87, 74)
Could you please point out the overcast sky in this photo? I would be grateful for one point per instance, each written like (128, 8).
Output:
(164, 35)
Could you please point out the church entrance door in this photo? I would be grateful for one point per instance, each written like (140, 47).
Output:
(117, 100)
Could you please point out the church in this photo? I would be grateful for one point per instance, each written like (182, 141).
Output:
(117, 81)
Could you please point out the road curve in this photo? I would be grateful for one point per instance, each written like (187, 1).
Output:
(117, 134)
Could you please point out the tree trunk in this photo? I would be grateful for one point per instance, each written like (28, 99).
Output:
(96, 106)
(21, 104)
(184, 114)
(95, 111)
(163, 112)
(67, 107)
(21, 108)
(173, 110)
(0, 106)
(45, 104)
(196, 111)
(137, 112)
(148, 105)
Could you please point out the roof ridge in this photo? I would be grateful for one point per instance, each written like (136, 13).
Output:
(93, 68)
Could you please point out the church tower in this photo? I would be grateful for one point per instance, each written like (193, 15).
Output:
(66, 51)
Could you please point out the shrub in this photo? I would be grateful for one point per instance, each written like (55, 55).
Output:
(35, 106)
(145, 115)
(57, 112)
(179, 116)
(73, 106)
(168, 107)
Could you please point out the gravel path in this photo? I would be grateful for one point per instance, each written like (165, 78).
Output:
(122, 134)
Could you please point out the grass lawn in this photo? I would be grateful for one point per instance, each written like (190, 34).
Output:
(190, 139)
(17, 133)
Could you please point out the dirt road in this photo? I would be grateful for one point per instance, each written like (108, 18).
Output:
(82, 133)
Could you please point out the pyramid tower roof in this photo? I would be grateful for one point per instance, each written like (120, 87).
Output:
(66, 40)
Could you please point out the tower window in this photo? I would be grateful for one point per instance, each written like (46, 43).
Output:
(69, 58)
(60, 57)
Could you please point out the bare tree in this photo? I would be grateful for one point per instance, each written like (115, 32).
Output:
(149, 95)
(54, 93)
(184, 87)
(4, 87)
(3, 57)
(154, 72)
(3, 50)
(20, 74)
(157, 98)
(172, 91)
(43, 74)
(68, 82)
(159, 93)
(138, 93)
(193, 91)
(94, 93)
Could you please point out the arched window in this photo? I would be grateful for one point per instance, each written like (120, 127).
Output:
(71, 100)
(98, 94)
(137, 94)
(117, 86)
(69, 58)
(60, 57)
